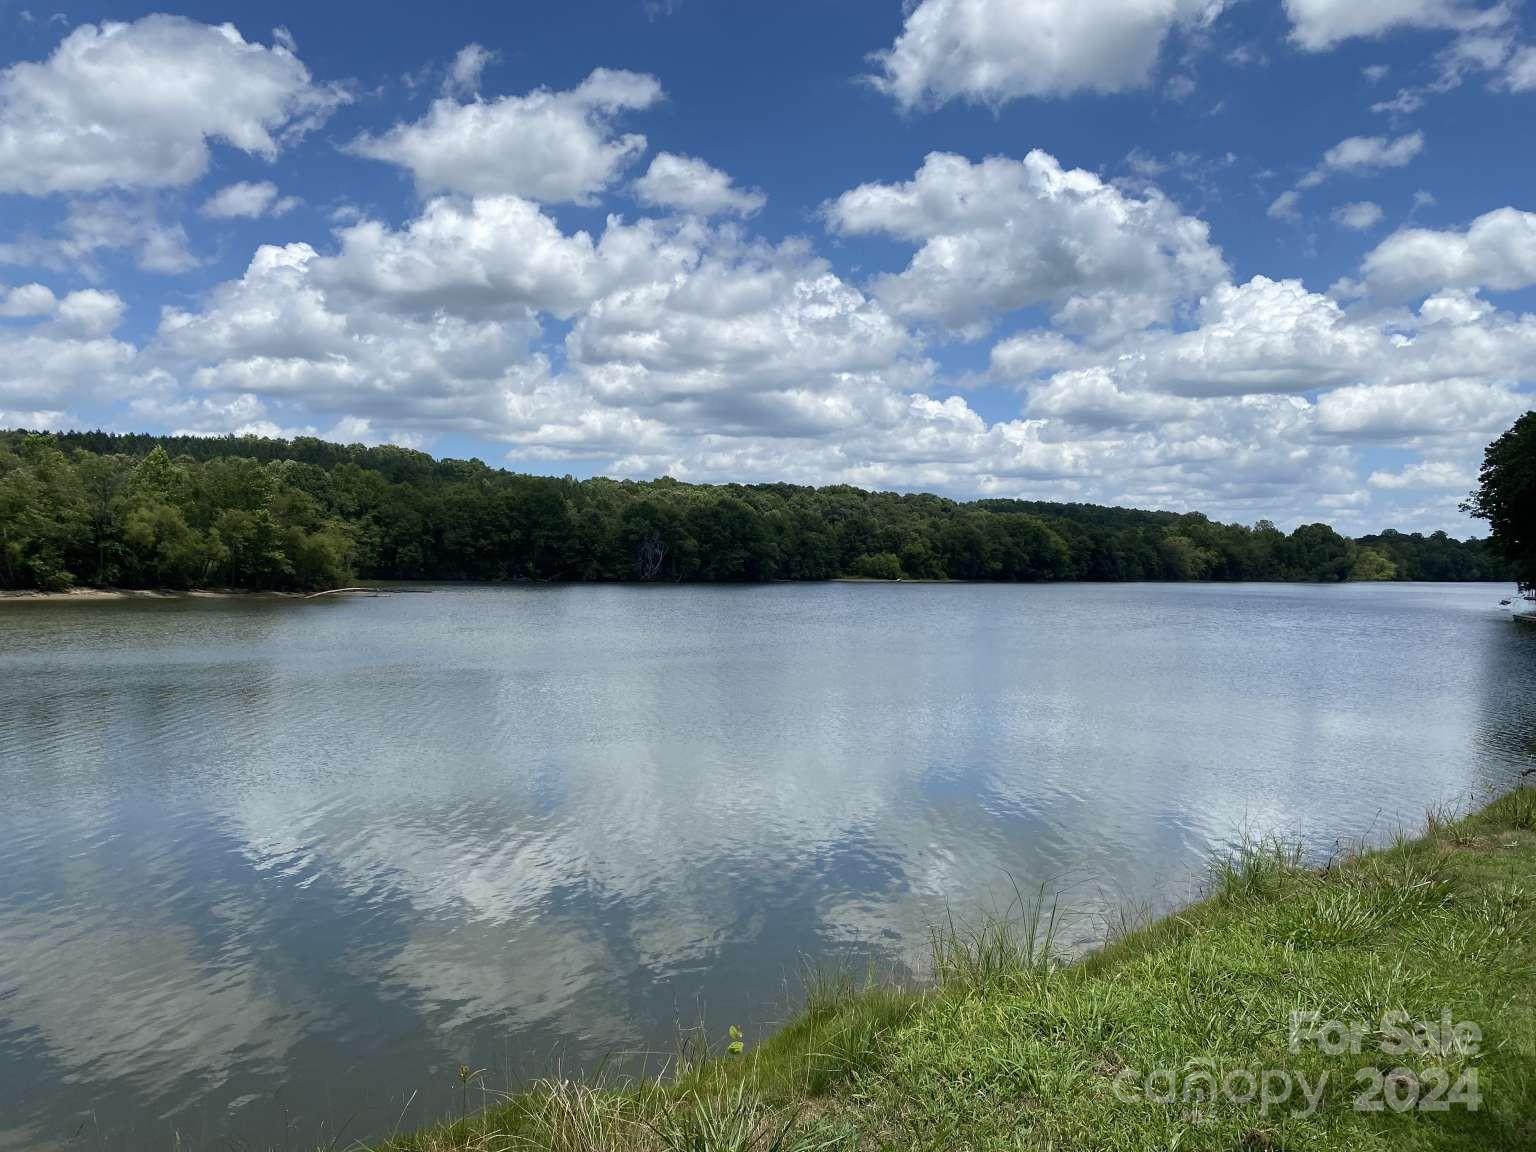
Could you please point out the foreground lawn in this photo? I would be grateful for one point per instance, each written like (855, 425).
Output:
(1387, 1001)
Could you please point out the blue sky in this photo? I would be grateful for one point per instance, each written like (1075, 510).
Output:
(1261, 259)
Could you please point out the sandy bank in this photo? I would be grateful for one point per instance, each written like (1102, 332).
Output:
(83, 594)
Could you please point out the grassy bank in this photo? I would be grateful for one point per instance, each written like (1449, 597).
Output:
(1155, 1042)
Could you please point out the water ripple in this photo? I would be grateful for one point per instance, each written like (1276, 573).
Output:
(509, 825)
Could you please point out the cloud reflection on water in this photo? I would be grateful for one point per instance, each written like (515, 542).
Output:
(258, 850)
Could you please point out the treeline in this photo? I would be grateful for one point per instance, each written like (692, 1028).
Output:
(250, 512)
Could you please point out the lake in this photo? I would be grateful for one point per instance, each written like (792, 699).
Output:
(274, 870)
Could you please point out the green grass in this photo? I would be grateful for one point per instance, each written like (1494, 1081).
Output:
(1012, 1048)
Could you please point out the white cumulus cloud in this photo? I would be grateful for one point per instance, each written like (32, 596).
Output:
(991, 51)
(495, 255)
(1441, 474)
(1496, 251)
(58, 351)
(691, 185)
(1469, 408)
(553, 147)
(136, 106)
(28, 300)
(1360, 154)
(248, 200)
(1003, 234)
(1360, 216)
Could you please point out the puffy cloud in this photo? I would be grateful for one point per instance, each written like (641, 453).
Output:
(1095, 398)
(28, 300)
(1283, 457)
(485, 256)
(1440, 474)
(1458, 336)
(991, 51)
(719, 357)
(45, 369)
(1497, 251)
(136, 106)
(1263, 404)
(1419, 409)
(90, 313)
(752, 337)
(1243, 456)
(1361, 154)
(1320, 24)
(691, 347)
(1274, 337)
(428, 327)
(683, 344)
(1454, 307)
(1005, 234)
(248, 200)
(1358, 217)
(694, 349)
(277, 332)
(61, 352)
(691, 185)
(1265, 336)
(552, 147)
(1029, 353)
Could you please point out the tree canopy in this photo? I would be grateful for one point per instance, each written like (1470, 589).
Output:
(1506, 497)
(258, 513)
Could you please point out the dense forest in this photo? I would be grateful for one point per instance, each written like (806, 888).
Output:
(248, 512)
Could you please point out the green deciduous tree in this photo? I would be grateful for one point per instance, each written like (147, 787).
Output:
(1372, 565)
(44, 522)
(1317, 552)
(880, 566)
(1506, 496)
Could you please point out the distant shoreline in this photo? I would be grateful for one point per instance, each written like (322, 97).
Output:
(901, 580)
(82, 595)
(88, 594)
(250, 512)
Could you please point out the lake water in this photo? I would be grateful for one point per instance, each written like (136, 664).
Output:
(270, 870)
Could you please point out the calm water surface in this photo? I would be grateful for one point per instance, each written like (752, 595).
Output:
(268, 869)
